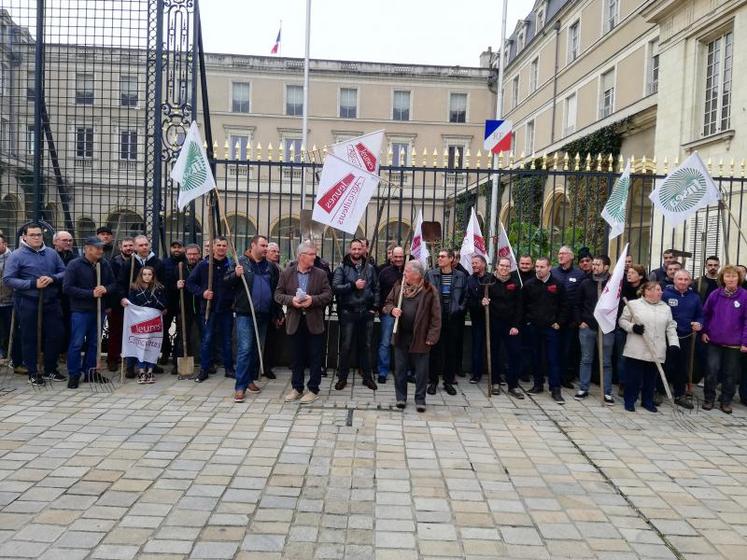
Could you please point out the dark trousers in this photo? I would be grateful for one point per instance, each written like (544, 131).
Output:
(640, 379)
(676, 368)
(356, 330)
(724, 364)
(193, 334)
(272, 345)
(511, 345)
(167, 346)
(545, 345)
(459, 357)
(307, 351)
(444, 355)
(115, 319)
(569, 353)
(83, 337)
(6, 313)
(219, 327)
(478, 347)
(26, 313)
(403, 360)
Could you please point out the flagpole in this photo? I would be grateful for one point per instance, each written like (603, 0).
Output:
(304, 132)
(280, 36)
(498, 114)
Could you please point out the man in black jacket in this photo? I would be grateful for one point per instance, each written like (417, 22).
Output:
(476, 285)
(356, 286)
(545, 309)
(451, 285)
(388, 277)
(115, 314)
(171, 275)
(81, 287)
(262, 278)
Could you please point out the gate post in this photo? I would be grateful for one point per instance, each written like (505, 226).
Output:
(38, 108)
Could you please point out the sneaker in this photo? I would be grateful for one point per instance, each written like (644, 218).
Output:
(231, 374)
(630, 408)
(309, 397)
(726, 408)
(420, 407)
(431, 390)
(707, 405)
(150, 378)
(449, 388)
(382, 379)
(293, 396)
(701, 383)
(253, 388)
(142, 377)
(495, 389)
(340, 385)
(54, 376)
(557, 396)
(238, 397)
(72, 383)
(536, 390)
(37, 380)
(269, 375)
(581, 395)
(369, 382)
(684, 402)
(516, 393)
(202, 376)
(475, 379)
(609, 400)
(401, 405)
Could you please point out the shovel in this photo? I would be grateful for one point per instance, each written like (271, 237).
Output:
(185, 365)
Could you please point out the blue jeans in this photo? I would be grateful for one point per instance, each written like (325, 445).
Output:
(52, 331)
(385, 356)
(218, 327)
(587, 339)
(545, 344)
(145, 365)
(247, 357)
(83, 336)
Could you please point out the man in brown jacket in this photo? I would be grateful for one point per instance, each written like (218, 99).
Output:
(305, 291)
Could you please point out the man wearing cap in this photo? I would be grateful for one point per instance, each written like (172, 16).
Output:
(81, 287)
(585, 260)
(171, 272)
(105, 235)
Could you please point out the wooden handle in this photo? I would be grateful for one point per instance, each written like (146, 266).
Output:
(98, 315)
(182, 311)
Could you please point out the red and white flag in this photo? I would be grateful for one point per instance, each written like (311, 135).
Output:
(605, 311)
(276, 46)
(142, 333)
(362, 151)
(343, 195)
(473, 244)
(419, 249)
(504, 249)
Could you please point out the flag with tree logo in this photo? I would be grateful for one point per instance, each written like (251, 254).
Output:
(192, 169)
(614, 210)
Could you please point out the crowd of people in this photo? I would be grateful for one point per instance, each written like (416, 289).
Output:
(534, 325)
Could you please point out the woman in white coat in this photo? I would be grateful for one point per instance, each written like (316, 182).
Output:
(653, 320)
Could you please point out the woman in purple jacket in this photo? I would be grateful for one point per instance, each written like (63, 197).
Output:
(725, 332)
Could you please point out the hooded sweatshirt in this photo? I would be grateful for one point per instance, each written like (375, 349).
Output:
(25, 265)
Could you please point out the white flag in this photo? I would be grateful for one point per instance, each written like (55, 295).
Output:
(343, 194)
(192, 169)
(614, 210)
(504, 249)
(142, 333)
(473, 244)
(419, 249)
(684, 191)
(605, 311)
(362, 151)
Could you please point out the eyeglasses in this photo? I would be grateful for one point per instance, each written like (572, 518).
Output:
(34, 234)
(309, 254)
(443, 256)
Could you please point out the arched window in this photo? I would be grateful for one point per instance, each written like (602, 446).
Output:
(85, 227)
(287, 234)
(393, 232)
(9, 217)
(125, 223)
(242, 229)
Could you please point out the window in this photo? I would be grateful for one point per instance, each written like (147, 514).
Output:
(3, 79)
(611, 8)
(573, 41)
(540, 19)
(237, 146)
(4, 135)
(534, 75)
(292, 144)
(458, 107)
(515, 92)
(30, 85)
(400, 153)
(570, 114)
(84, 143)
(719, 61)
(84, 89)
(128, 145)
(294, 101)
(401, 106)
(128, 91)
(240, 97)
(348, 103)
(607, 100)
(529, 140)
(652, 83)
(455, 157)
(521, 40)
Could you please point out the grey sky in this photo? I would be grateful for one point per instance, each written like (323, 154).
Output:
(412, 31)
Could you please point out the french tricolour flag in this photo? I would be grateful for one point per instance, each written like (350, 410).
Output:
(497, 136)
(276, 46)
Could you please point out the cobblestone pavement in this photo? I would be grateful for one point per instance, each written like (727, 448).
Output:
(177, 470)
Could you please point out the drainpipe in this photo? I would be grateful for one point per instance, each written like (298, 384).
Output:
(555, 81)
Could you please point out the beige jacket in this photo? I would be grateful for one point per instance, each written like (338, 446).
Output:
(660, 330)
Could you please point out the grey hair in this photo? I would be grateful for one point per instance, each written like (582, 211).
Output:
(684, 271)
(567, 248)
(56, 235)
(416, 266)
(141, 237)
(305, 246)
(273, 245)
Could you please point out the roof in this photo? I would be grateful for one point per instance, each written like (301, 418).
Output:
(528, 26)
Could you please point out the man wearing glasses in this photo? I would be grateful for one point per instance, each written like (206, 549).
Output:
(35, 271)
(304, 290)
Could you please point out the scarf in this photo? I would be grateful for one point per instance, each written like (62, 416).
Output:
(410, 291)
(730, 293)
